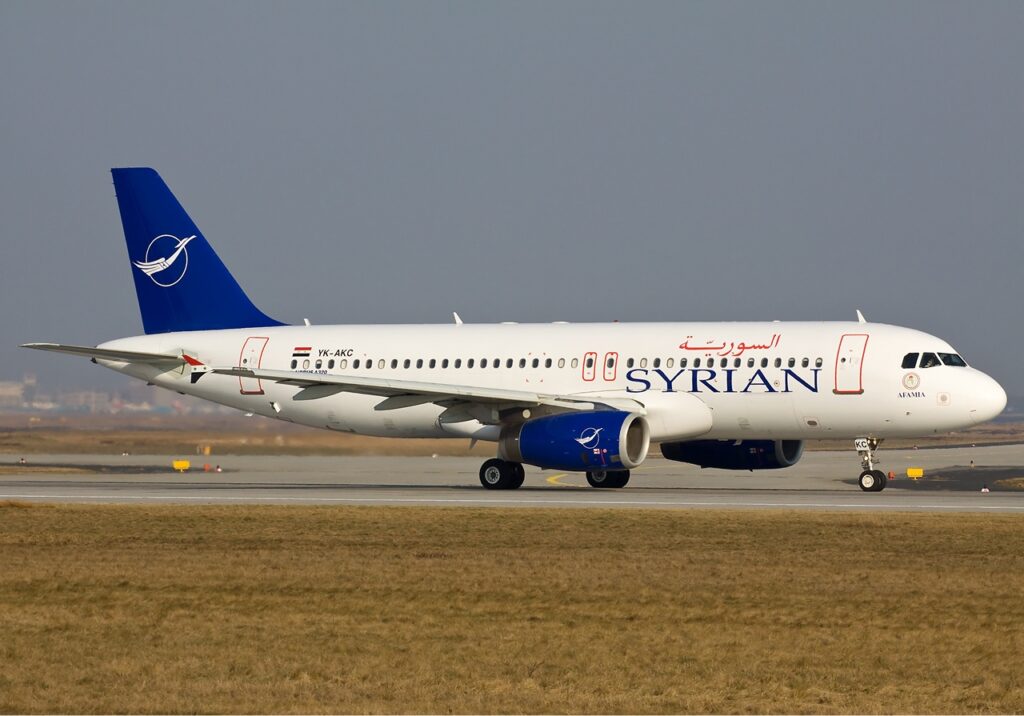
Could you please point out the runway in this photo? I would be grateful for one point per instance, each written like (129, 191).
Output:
(821, 481)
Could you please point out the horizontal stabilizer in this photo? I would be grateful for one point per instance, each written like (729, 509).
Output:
(108, 354)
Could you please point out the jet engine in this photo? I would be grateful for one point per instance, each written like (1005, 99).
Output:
(577, 442)
(736, 454)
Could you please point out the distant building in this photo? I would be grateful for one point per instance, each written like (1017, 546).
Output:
(12, 394)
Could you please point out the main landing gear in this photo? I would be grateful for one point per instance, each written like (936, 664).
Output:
(608, 478)
(497, 474)
(871, 480)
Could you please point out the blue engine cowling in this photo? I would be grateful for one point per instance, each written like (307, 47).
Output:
(575, 442)
(736, 455)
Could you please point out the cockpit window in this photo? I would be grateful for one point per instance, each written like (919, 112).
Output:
(910, 360)
(952, 359)
(929, 360)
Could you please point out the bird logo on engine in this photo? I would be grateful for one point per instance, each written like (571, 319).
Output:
(590, 437)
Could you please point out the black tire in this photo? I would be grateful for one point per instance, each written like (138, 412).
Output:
(867, 481)
(496, 474)
(872, 481)
(881, 479)
(607, 478)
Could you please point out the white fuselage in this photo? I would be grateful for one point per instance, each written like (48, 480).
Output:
(759, 380)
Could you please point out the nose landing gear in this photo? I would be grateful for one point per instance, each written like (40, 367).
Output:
(871, 479)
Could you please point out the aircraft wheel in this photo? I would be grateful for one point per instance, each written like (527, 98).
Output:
(608, 478)
(882, 480)
(520, 472)
(872, 481)
(496, 474)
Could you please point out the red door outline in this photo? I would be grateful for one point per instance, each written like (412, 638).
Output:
(589, 371)
(252, 348)
(611, 371)
(849, 345)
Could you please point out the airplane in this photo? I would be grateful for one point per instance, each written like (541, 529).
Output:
(588, 397)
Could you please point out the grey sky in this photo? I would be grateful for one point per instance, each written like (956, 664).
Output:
(392, 162)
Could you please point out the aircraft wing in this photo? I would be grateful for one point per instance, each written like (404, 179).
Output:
(406, 393)
(107, 354)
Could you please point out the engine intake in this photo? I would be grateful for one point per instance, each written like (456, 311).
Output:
(576, 442)
(736, 455)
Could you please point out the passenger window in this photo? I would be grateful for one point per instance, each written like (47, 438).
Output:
(792, 362)
(536, 362)
(952, 359)
(319, 364)
(817, 362)
(575, 363)
(419, 362)
(590, 362)
(522, 362)
(508, 363)
(355, 363)
(805, 362)
(444, 362)
(469, 363)
(343, 363)
(750, 362)
(561, 362)
(724, 362)
(369, 364)
(736, 363)
(405, 364)
(295, 364)
(483, 362)
(643, 362)
(458, 362)
(669, 362)
(656, 363)
(610, 363)
(778, 362)
(910, 360)
(696, 362)
(764, 362)
(929, 360)
(433, 362)
(682, 362)
(547, 363)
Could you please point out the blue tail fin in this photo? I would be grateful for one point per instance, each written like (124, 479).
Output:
(181, 283)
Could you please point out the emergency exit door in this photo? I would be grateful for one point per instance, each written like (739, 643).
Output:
(850, 364)
(251, 357)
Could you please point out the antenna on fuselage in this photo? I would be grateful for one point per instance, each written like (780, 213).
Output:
(457, 317)
(860, 317)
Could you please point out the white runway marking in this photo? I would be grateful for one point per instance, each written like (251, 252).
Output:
(527, 501)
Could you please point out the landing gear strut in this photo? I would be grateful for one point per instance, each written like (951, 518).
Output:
(497, 474)
(871, 479)
(608, 478)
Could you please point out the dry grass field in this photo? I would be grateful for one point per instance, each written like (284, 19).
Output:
(377, 609)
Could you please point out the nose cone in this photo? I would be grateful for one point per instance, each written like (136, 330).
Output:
(987, 400)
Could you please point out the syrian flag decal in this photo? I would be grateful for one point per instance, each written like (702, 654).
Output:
(301, 351)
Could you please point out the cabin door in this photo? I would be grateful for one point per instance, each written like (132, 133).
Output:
(251, 357)
(850, 364)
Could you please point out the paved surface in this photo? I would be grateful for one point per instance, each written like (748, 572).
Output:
(822, 480)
